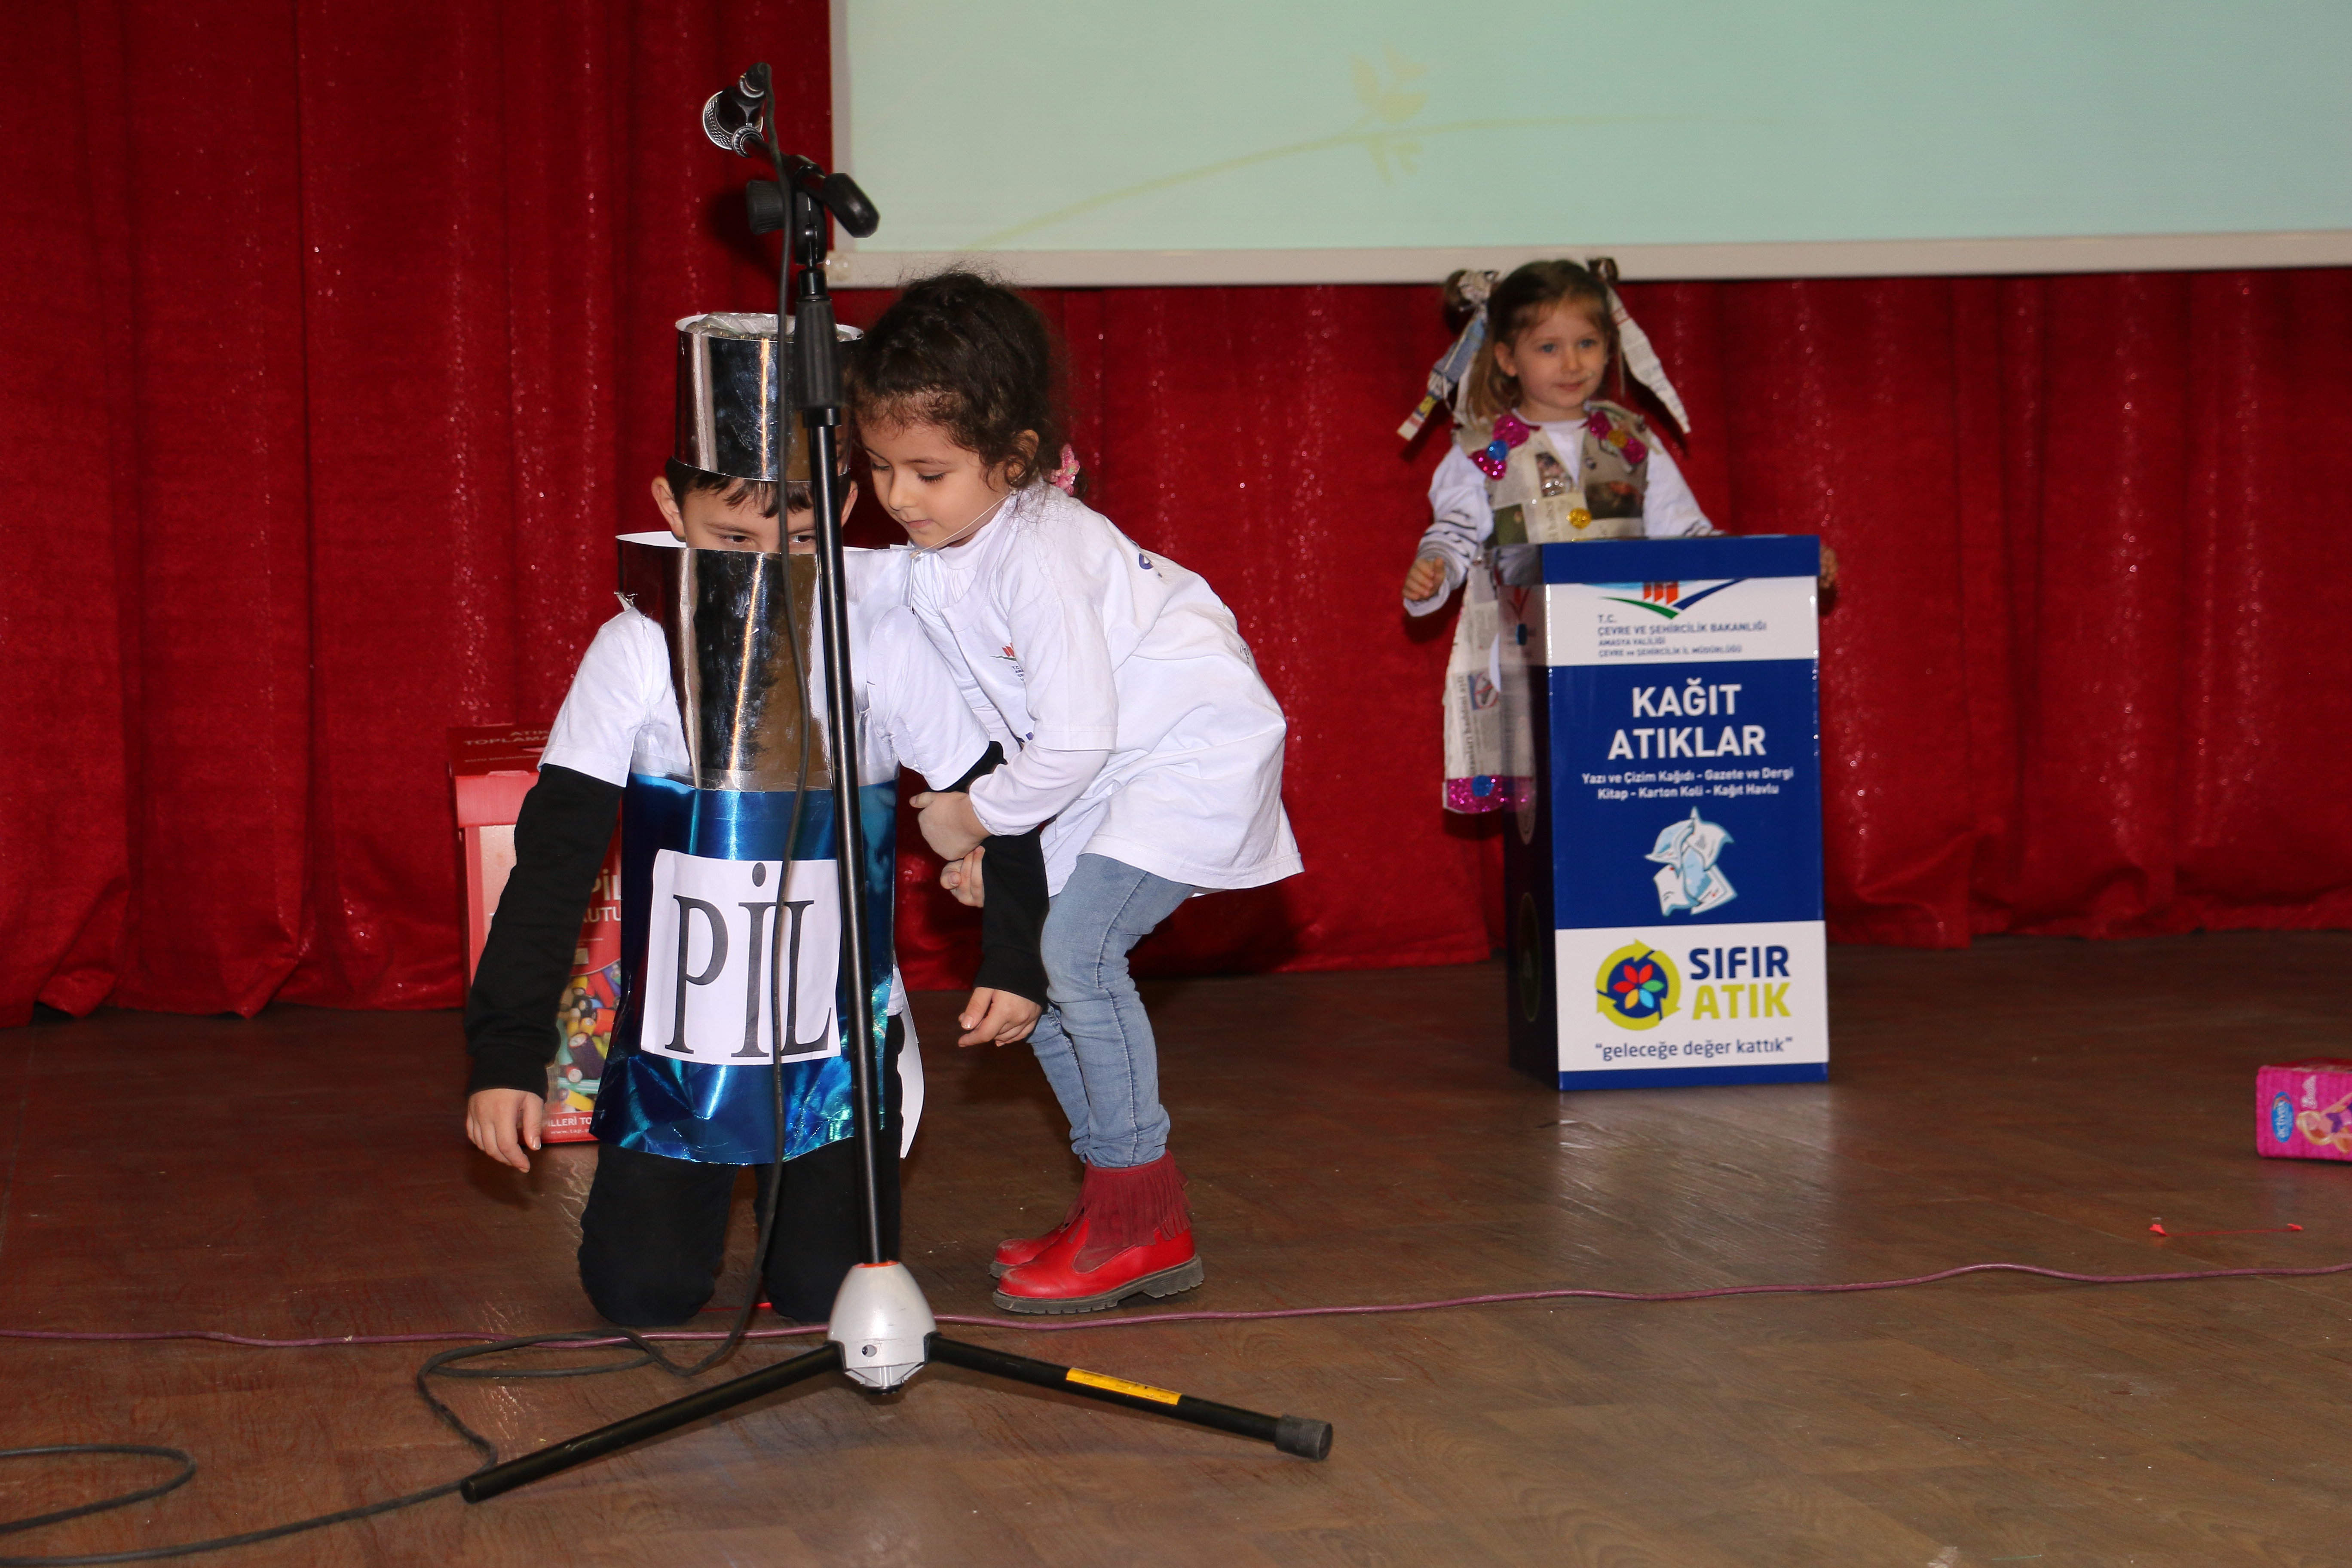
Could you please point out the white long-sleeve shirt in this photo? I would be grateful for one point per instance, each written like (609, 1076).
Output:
(1033, 787)
(1067, 636)
(1463, 523)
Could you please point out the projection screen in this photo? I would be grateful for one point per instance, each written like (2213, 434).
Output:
(1083, 142)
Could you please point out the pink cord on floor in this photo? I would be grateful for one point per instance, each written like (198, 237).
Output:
(1056, 1325)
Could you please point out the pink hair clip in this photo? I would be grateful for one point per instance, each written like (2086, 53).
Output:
(1066, 477)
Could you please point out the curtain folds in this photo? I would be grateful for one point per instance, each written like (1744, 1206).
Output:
(340, 348)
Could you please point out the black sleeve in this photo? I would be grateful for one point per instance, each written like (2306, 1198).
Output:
(1012, 920)
(561, 836)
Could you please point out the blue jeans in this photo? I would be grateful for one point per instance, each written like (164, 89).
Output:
(1094, 1040)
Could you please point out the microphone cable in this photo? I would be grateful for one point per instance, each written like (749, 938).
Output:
(444, 1365)
(447, 1364)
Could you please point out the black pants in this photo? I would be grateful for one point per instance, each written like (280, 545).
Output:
(655, 1229)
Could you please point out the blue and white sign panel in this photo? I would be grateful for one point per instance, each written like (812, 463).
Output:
(1684, 787)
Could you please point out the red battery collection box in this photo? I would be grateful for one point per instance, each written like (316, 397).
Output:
(491, 768)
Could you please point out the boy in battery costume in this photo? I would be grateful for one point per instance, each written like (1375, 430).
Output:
(684, 716)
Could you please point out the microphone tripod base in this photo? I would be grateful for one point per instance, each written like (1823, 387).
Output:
(881, 1323)
(882, 1333)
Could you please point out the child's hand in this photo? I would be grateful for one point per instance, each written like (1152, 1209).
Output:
(997, 1017)
(949, 826)
(502, 1121)
(963, 878)
(1828, 583)
(1427, 576)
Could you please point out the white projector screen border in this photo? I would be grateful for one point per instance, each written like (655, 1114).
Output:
(854, 268)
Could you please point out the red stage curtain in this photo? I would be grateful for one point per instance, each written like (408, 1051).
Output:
(340, 347)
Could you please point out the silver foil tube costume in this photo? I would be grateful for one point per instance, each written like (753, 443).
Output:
(729, 373)
(722, 615)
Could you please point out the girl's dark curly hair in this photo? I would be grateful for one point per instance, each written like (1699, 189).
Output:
(967, 353)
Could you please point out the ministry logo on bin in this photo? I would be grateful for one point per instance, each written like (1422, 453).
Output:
(1668, 600)
(1637, 987)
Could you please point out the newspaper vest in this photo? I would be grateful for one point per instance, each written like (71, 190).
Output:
(1542, 498)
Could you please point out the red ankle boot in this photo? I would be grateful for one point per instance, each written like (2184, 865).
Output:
(1014, 1251)
(1131, 1235)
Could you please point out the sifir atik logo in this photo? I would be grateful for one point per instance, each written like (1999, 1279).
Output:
(1739, 981)
(740, 963)
(1668, 599)
(1637, 987)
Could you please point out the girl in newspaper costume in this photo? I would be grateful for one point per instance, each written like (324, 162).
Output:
(1539, 458)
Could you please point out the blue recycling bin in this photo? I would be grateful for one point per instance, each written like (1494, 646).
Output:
(1664, 864)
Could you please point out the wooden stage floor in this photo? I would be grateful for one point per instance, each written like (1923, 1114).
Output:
(1351, 1138)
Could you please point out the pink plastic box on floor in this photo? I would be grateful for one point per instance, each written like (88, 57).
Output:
(2302, 1110)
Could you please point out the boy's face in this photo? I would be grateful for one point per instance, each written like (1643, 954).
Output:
(706, 520)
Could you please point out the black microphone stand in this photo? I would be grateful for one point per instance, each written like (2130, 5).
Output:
(881, 1333)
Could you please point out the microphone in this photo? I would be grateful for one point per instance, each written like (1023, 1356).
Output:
(735, 116)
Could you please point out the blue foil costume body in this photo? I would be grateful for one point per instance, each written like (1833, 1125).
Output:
(718, 790)
(706, 1111)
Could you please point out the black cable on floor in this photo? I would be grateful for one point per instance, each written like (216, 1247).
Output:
(187, 1473)
(444, 1364)
(441, 1364)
